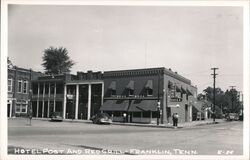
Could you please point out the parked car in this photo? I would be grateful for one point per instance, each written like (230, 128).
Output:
(232, 116)
(56, 116)
(101, 118)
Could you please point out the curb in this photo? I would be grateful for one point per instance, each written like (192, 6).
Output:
(137, 124)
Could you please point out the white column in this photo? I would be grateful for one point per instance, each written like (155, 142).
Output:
(37, 103)
(89, 102)
(205, 114)
(11, 108)
(43, 99)
(102, 94)
(190, 113)
(64, 101)
(48, 102)
(77, 101)
(54, 109)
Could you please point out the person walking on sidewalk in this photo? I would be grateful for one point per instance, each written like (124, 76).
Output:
(175, 120)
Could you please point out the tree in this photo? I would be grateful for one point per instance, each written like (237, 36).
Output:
(56, 61)
(9, 63)
(229, 100)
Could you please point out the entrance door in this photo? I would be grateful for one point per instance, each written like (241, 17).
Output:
(8, 110)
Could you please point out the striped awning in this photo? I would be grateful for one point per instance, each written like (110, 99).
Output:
(149, 84)
(177, 88)
(189, 92)
(183, 91)
(115, 105)
(131, 85)
(112, 85)
(143, 105)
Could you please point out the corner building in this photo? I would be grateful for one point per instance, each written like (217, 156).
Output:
(140, 95)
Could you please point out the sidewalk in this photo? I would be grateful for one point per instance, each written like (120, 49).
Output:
(180, 125)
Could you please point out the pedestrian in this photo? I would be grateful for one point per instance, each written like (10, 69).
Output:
(175, 119)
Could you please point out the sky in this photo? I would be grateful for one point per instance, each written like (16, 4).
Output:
(190, 40)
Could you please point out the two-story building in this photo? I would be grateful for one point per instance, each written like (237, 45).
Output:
(141, 95)
(74, 96)
(19, 80)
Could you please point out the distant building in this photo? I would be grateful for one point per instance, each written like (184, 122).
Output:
(19, 80)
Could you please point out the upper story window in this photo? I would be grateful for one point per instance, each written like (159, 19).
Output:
(130, 88)
(10, 85)
(25, 86)
(112, 88)
(130, 92)
(20, 86)
(149, 88)
(112, 92)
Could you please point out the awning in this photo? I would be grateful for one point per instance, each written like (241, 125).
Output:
(112, 85)
(143, 105)
(197, 108)
(183, 91)
(149, 84)
(189, 92)
(130, 85)
(177, 89)
(115, 105)
(170, 85)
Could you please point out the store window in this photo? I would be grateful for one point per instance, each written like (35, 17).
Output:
(18, 108)
(20, 86)
(10, 85)
(25, 86)
(21, 106)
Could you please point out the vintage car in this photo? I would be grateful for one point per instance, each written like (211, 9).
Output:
(101, 118)
(56, 116)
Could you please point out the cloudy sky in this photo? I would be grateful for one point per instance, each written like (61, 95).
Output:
(189, 40)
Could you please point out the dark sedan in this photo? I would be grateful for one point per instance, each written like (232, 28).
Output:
(101, 118)
(56, 116)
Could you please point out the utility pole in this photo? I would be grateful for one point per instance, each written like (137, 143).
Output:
(232, 98)
(214, 76)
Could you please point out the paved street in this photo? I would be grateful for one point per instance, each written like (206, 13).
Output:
(87, 138)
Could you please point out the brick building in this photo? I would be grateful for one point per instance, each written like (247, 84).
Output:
(19, 80)
(141, 94)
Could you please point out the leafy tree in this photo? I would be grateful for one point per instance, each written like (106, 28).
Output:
(224, 99)
(56, 61)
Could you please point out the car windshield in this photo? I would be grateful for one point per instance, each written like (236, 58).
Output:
(56, 113)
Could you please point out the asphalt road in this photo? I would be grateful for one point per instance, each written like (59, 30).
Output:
(45, 137)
